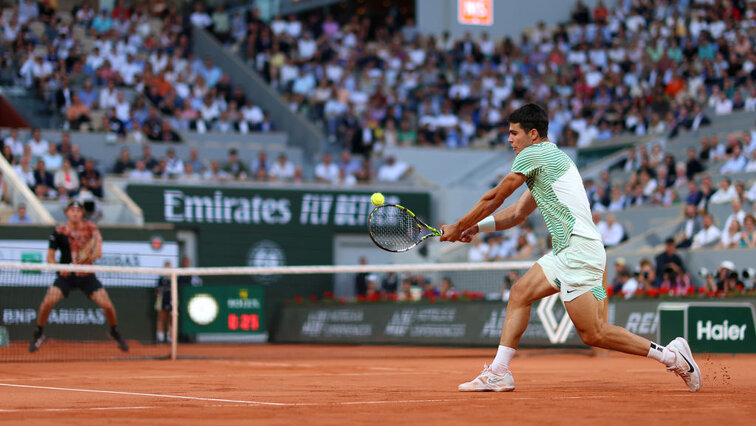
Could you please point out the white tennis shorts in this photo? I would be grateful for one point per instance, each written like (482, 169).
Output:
(577, 268)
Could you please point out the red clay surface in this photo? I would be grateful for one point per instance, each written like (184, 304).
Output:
(288, 384)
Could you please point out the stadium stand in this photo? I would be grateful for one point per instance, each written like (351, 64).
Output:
(641, 88)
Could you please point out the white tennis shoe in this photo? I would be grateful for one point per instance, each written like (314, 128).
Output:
(488, 381)
(685, 366)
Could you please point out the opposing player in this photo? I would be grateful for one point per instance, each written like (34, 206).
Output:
(574, 267)
(79, 242)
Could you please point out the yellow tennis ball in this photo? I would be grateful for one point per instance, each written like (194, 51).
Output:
(377, 198)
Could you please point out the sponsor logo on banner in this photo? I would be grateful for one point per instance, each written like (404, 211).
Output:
(724, 331)
(642, 322)
(715, 327)
(339, 210)
(219, 208)
(156, 242)
(336, 323)
(492, 327)
(475, 12)
(74, 316)
(266, 254)
(557, 331)
(429, 322)
(316, 208)
(202, 308)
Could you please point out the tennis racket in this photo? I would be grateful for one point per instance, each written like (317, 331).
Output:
(396, 229)
(87, 252)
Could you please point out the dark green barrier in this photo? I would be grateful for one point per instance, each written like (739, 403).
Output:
(637, 316)
(224, 313)
(719, 327)
(77, 317)
(473, 323)
(253, 226)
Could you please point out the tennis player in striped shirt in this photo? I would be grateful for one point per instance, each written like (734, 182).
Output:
(575, 266)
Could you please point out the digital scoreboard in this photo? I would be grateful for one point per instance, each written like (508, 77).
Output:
(224, 313)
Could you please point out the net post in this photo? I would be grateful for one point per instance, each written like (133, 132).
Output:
(174, 314)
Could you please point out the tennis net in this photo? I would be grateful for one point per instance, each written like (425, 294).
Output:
(211, 305)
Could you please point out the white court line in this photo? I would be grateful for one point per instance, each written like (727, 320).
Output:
(45, 410)
(251, 374)
(408, 401)
(156, 395)
(390, 369)
(179, 376)
(235, 401)
(265, 364)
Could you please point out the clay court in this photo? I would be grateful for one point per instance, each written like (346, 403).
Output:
(284, 384)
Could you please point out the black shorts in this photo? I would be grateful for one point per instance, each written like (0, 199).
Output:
(88, 284)
(165, 300)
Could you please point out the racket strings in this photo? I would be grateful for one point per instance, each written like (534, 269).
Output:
(394, 229)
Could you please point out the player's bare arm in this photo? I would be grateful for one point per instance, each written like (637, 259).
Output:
(97, 252)
(490, 201)
(507, 218)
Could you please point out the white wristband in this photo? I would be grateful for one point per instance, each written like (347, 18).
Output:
(487, 224)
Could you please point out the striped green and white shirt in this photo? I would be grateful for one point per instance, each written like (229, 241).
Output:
(558, 190)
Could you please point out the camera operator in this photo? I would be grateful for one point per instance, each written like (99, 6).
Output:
(646, 276)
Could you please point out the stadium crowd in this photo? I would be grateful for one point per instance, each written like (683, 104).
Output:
(667, 274)
(60, 170)
(643, 67)
(124, 71)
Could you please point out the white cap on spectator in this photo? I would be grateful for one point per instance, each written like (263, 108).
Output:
(727, 265)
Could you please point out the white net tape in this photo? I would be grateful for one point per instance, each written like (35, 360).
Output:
(279, 270)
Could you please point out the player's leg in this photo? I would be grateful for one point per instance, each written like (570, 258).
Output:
(586, 313)
(101, 298)
(53, 295)
(531, 287)
(163, 317)
(97, 293)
